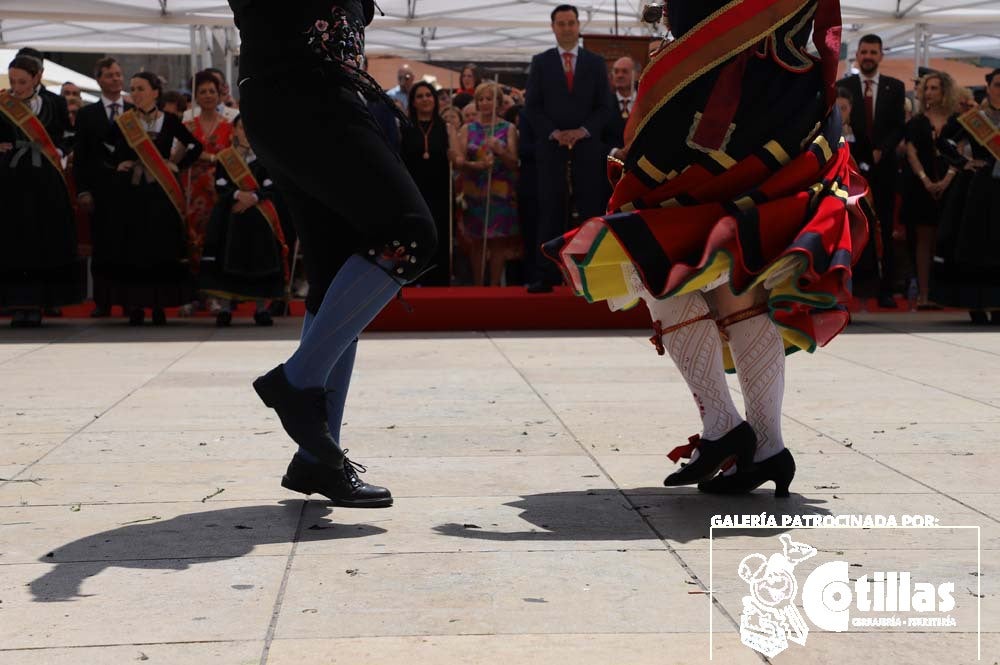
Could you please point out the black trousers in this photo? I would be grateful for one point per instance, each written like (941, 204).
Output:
(883, 185)
(346, 190)
(558, 169)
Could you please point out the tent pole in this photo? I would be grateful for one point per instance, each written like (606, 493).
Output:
(206, 33)
(927, 45)
(194, 52)
(230, 47)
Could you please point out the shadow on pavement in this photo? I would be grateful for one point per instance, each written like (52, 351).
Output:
(182, 542)
(596, 515)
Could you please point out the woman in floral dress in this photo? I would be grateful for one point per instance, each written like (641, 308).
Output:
(489, 144)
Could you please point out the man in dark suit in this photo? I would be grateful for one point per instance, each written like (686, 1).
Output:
(624, 75)
(568, 103)
(878, 119)
(94, 159)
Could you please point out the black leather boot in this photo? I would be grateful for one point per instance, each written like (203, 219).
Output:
(302, 413)
(342, 486)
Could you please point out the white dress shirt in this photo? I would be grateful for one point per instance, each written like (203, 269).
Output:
(575, 52)
(629, 101)
(106, 103)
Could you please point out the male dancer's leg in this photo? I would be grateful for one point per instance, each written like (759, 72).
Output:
(346, 179)
(338, 382)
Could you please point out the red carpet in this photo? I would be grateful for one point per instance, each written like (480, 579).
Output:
(473, 308)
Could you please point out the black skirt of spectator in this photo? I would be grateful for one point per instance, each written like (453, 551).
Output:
(39, 265)
(242, 257)
(144, 258)
(431, 177)
(967, 264)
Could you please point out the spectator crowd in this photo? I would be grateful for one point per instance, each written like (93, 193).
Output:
(158, 194)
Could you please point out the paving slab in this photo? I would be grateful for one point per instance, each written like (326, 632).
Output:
(207, 653)
(17, 449)
(138, 601)
(581, 649)
(148, 531)
(489, 592)
(530, 524)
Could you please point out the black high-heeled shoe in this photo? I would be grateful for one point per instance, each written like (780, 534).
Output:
(780, 468)
(737, 444)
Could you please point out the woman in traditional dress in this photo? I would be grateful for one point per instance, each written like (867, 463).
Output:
(487, 145)
(929, 176)
(364, 225)
(148, 260)
(245, 254)
(39, 264)
(425, 151)
(735, 211)
(214, 133)
(967, 262)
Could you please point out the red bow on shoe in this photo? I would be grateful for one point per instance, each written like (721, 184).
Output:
(685, 451)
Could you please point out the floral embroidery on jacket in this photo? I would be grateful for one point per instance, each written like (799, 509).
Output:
(339, 39)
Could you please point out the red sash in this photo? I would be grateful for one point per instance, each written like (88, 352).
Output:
(19, 113)
(239, 171)
(143, 146)
(982, 129)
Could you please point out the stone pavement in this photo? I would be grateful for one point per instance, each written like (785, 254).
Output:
(141, 517)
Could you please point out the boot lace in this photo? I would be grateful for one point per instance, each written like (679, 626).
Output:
(352, 469)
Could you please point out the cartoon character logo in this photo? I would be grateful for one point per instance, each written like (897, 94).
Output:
(770, 618)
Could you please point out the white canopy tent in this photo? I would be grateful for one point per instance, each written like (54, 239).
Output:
(461, 29)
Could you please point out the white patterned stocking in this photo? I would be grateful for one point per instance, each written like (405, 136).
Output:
(697, 351)
(759, 355)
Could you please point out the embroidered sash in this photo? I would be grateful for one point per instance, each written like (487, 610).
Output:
(137, 139)
(723, 35)
(239, 172)
(29, 123)
(981, 128)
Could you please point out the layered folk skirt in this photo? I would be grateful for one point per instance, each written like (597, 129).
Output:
(736, 173)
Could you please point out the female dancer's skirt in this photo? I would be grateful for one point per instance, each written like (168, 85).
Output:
(736, 173)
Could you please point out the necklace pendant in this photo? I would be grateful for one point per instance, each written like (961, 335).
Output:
(427, 155)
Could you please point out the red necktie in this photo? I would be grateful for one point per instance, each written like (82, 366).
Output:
(869, 107)
(568, 68)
